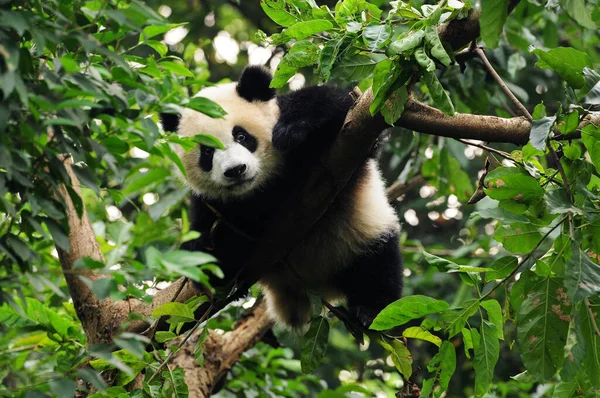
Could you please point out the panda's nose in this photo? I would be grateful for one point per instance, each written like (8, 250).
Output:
(235, 172)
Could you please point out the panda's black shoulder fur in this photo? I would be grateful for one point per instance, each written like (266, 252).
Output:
(314, 113)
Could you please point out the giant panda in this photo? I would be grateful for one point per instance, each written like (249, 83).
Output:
(270, 142)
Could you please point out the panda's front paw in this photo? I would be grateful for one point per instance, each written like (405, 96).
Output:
(364, 314)
(287, 137)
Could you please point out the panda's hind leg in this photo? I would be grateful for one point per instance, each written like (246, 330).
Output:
(374, 279)
(287, 305)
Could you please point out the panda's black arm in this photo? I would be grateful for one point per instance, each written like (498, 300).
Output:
(315, 113)
(201, 220)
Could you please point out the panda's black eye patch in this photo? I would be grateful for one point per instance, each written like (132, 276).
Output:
(244, 138)
(206, 157)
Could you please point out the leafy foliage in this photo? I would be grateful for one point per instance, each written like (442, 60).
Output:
(514, 279)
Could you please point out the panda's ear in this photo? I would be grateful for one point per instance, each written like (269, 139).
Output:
(254, 84)
(170, 121)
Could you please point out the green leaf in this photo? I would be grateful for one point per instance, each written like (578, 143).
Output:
(467, 341)
(303, 53)
(542, 326)
(405, 309)
(85, 176)
(401, 357)
(440, 97)
(435, 45)
(424, 61)
(162, 337)
(590, 135)
(406, 43)
(392, 108)
(314, 344)
(579, 12)
(277, 11)
(518, 238)
(283, 73)
(494, 312)
(487, 352)
(565, 61)
(501, 268)
(492, 19)
(178, 69)
(59, 235)
(417, 332)
(540, 130)
(376, 36)
(159, 47)
(63, 387)
(155, 30)
(444, 364)
(448, 266)
(199, 348)
(454, 319)
(355, 67)
(208, 140)
(512, 183)
(104, 287)
(206, 106)
(591, 362)
(165, 203)
(569, 122)
(328, 57)
(304, 29)
(500, 214)
(174, 309)
(582, 275)
(150, 177)
(34, 313)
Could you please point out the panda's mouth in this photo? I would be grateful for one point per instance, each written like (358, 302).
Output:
(240, 183)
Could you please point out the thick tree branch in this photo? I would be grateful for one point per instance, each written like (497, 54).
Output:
(221, 352)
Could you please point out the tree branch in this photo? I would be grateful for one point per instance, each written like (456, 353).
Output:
(221, 352)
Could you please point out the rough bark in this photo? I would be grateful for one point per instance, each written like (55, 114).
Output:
(221, 352)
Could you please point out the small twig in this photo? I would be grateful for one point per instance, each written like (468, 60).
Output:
(503, 85)
(588, 305)
(488, 149)
(20, 349)
(398, 188)
(185, 339)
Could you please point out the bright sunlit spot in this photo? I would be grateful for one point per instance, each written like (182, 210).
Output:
(209, 19)
(174, 36)
(136, 152)
(227, 49)
(113, 213)
(150, 198)
(259, 55)
(411, 217)
(165, 11)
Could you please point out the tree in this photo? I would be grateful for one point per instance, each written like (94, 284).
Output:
(504, 261)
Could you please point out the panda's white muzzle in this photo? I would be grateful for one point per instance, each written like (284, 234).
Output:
(234, 167)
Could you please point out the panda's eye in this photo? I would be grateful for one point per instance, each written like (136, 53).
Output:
(208, 151)
(240, 136)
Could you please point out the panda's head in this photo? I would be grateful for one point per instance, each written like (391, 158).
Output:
(249, 159)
